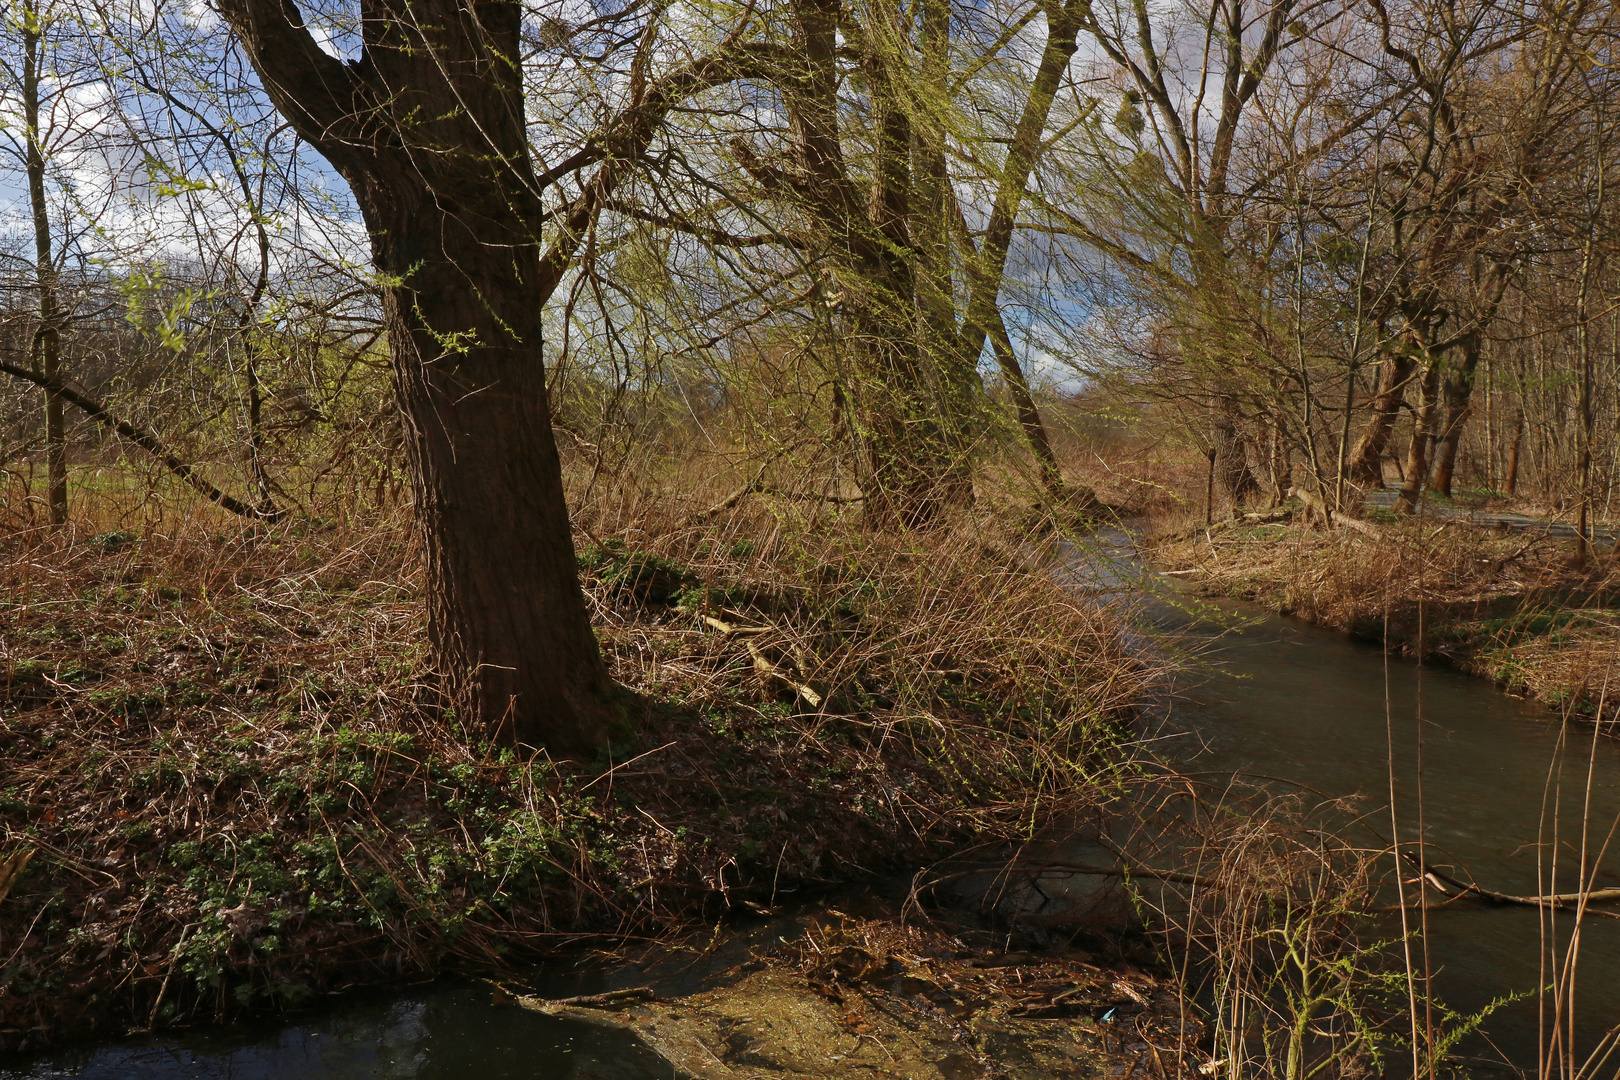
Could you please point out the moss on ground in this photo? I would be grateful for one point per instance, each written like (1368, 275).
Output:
(862, 997)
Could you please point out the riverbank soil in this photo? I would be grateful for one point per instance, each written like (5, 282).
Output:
(227, 783)
(856, 997)
(1514, 607)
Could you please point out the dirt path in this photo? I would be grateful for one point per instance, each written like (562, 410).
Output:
(1385, 499)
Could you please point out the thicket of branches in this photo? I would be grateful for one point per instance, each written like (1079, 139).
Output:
(1329, 244)
(1369, 218)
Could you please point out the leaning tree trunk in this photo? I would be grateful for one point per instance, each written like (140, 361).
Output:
(428, 130)
(1029, 418)
(1367, 457)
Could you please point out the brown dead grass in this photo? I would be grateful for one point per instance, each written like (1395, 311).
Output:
(1510, 607)
(220, 745)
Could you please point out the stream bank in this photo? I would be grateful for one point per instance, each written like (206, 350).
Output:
(1308, 707)
(825, 992)
(847, 997)
(1511, 606)
(1497, 790)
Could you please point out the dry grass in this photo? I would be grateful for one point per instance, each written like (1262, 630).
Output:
(216, 742)
(1513, 608)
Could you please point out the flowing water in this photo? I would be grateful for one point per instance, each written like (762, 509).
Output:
(1314, 708)
(1286, 701)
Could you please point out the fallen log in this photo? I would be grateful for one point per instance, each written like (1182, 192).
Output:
(143, 437)
(1332, 517)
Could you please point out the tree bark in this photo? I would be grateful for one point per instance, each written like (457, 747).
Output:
(917, 458)
(1417, 452)
(960, 389)
(47, 350)
(1231, 456)
(909, 467)
(1510, 483)
(1281, 461)
(1458, 394)
(427, 127)
(1367, 458)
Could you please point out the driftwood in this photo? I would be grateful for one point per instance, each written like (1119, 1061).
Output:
(1449, 886)
(612, 999)
(764, 665)
(12, 867)
(1332, 517)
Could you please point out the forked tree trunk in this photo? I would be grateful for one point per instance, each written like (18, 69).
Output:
(428, 130)
(1459, 396)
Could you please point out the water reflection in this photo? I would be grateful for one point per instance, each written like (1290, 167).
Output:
(1317, 709)
(441, 1033)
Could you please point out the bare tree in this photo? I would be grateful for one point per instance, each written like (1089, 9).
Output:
(427, 126)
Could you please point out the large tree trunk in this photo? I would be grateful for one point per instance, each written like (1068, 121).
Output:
(906, 382)
(507, 621)
(1231, 455)
(912, 394)
(955, 375)
(428, 130)
(1459, 393)
(1417, 452)
(913, 468)
(1367, 457)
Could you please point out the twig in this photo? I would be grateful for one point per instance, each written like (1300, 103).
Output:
(611, 999)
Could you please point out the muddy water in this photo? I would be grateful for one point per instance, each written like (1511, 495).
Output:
(1315, 708)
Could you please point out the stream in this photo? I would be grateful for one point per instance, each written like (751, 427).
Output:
(441, 1031)
(1304, 706)
(1285, 701)
(1309, 706)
